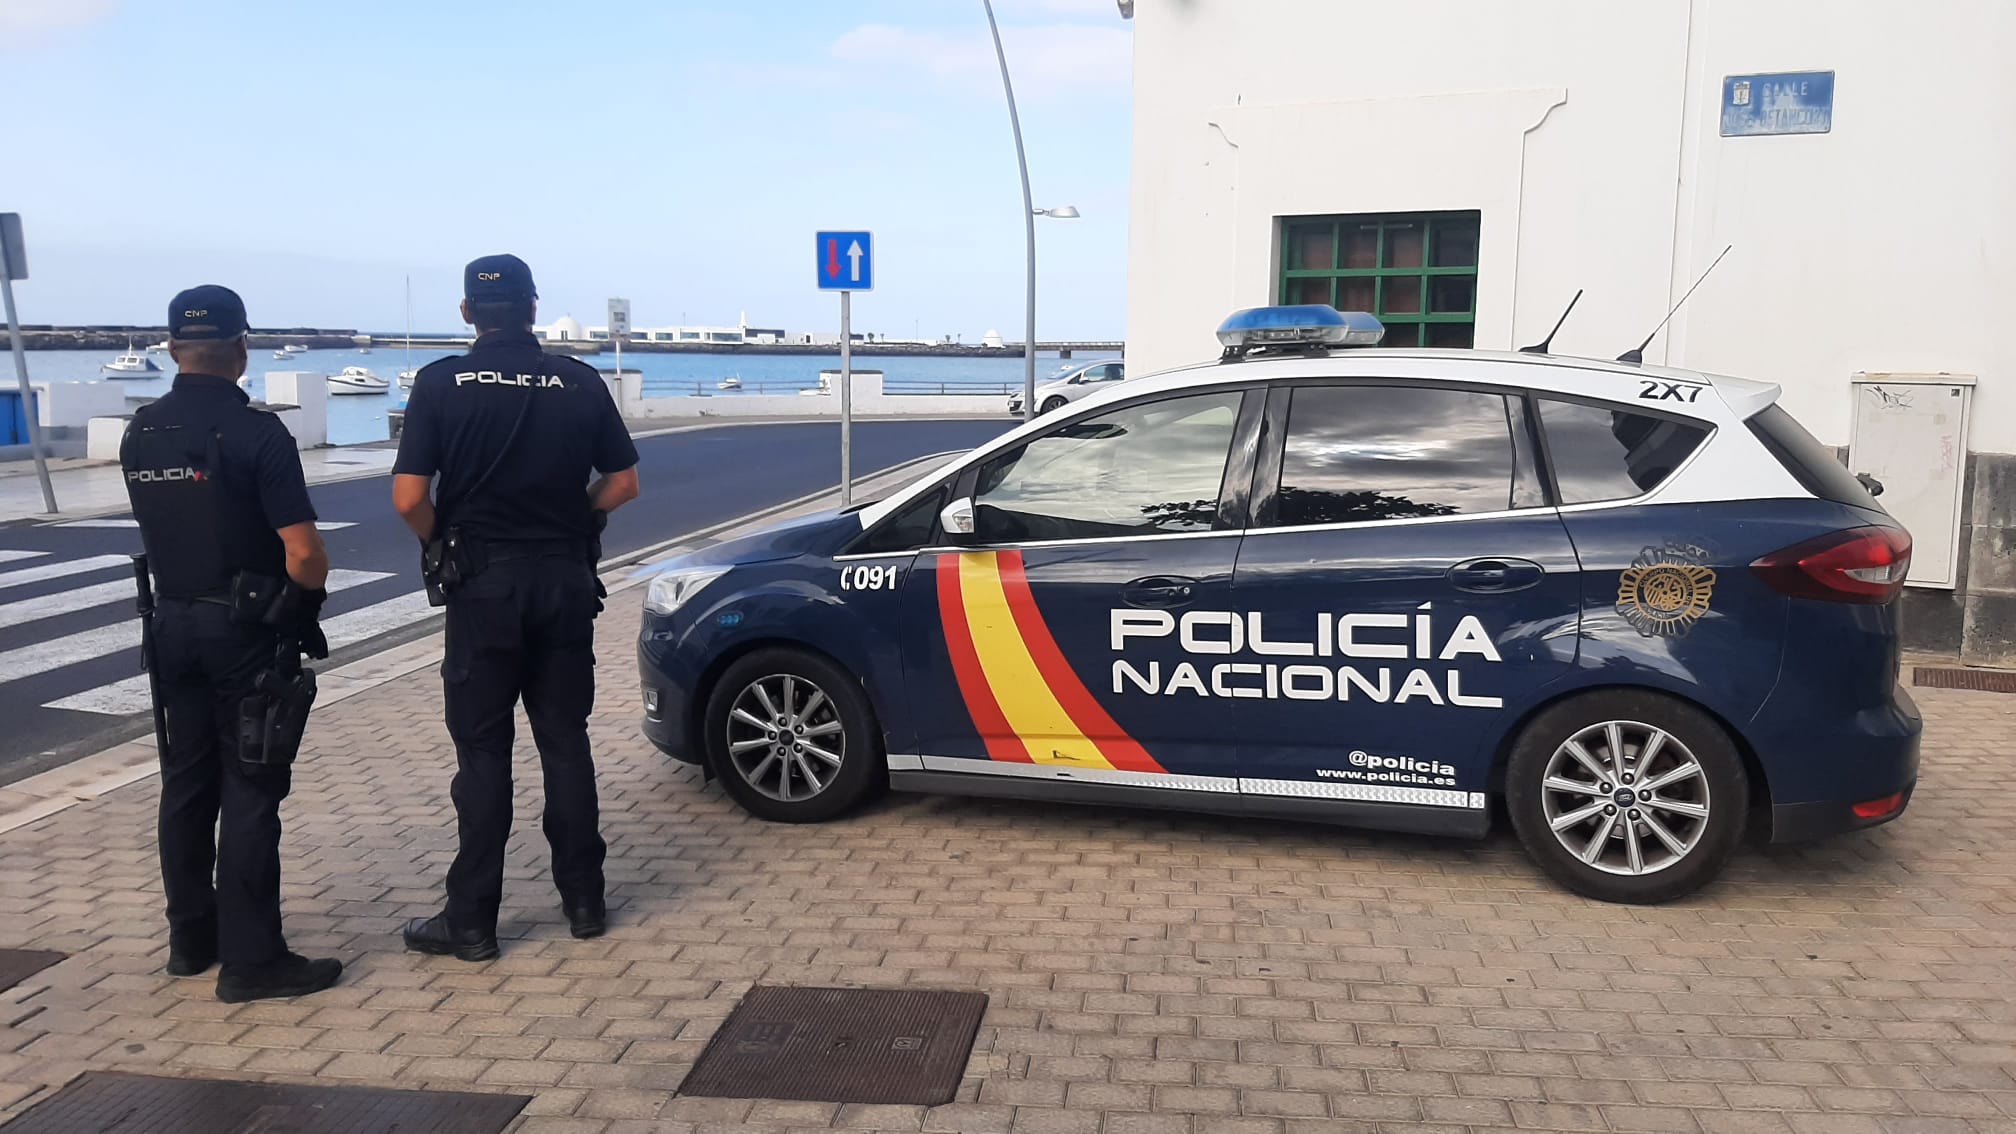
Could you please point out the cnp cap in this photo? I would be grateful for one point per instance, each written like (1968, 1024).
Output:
(497, 279)
(208, 312)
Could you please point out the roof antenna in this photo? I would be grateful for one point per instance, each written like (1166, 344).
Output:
(1638, 355)
(1547, 343)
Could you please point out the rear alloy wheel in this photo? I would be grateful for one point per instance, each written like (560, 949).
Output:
(792, 738)
(1627, 797)
(1054, 403)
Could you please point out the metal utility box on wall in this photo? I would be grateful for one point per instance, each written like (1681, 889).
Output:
(1910, 432)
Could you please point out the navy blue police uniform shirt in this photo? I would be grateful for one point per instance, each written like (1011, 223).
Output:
(460, 416)
(261, 467)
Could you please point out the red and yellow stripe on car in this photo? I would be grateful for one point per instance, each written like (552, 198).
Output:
(1027, 703)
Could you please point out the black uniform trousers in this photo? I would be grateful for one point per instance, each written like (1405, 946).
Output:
(523, 627)
(205, 665)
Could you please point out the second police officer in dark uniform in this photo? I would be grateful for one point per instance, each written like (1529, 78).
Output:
(514, 435)
(237, 571)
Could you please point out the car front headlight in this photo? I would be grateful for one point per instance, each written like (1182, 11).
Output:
(670, 589)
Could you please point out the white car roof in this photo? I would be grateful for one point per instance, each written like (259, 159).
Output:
(1738, 471)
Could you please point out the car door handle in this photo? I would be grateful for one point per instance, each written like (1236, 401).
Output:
(1160, 592)
(1495, 576)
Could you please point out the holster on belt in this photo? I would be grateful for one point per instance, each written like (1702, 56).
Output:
(273, 718)
(449, 560)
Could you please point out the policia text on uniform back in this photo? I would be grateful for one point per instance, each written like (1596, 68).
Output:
(493, 475)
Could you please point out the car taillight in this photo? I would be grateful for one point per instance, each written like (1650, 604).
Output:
(1855, 565)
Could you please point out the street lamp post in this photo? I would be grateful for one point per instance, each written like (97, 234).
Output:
(1029, 214)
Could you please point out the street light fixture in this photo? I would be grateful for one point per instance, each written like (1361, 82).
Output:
(1031, 212)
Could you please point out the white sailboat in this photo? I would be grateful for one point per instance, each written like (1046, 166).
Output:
(407, 375)
(357, 380)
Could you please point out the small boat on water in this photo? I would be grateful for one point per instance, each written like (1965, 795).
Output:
(293, 349)
(363, 350)
(731, 383)
(357, 380)
(283, 355)
(159, 348)
(132, 364)
(406, 378)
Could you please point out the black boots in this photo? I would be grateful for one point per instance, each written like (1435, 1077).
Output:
(587, 920)
(190, 959)
(431, 935)
(291, 975)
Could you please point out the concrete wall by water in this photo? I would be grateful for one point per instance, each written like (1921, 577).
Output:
(869, 400)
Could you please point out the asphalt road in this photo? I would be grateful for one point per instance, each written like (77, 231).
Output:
(69, 656)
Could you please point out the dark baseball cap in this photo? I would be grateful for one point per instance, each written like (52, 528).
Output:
(497, 279)
(209, 313)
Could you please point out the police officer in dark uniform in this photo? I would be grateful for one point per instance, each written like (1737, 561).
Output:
(511, 537)
(238, 570)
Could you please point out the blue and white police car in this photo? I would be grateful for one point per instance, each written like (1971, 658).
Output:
(1639, 610)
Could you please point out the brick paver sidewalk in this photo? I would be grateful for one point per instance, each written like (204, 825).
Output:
(1148, 972)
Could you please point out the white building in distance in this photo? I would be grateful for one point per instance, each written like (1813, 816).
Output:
(1462, 167)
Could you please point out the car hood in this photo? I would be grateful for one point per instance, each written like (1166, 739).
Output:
(821, 533)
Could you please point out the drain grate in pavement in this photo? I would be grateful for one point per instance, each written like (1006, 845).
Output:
(106, 1102)
(1981, 680)
(17, 965)
(841, 1045)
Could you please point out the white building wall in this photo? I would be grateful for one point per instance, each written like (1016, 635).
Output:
(1586, 133)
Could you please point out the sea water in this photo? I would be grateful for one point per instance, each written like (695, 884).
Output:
(358, 418)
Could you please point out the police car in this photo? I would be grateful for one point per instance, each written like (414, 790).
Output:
(1071, 383)
(1639, 611)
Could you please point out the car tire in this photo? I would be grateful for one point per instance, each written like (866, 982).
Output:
(1590, 822)
(822, 750)
(1055, 402)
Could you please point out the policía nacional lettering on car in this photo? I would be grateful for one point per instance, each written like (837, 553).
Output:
(1365, 635)
(1311, 582)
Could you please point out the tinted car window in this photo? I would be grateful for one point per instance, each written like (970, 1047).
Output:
(1144, 469)
(1603, 453)
(912, 526)
(1359, 453)
(1812, 464)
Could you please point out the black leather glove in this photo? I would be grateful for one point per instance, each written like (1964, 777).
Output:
(308, 623)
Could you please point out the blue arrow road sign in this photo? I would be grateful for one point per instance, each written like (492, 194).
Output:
(846, 261)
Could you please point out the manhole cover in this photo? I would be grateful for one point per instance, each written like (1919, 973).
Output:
(842, 1045)
(106, 1102)
(17, 965)
(1981, 680)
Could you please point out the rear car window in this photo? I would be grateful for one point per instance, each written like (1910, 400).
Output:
(1812, 464)
(1608, 453)
(1354, 454)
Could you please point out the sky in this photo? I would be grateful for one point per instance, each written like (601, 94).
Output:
(679, 153)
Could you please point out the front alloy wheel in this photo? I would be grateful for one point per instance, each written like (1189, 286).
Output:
(785, 738)
(1627, 796)
(792, 737)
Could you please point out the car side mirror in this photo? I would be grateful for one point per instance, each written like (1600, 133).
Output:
(957, 520)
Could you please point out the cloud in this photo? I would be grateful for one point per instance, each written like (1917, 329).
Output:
(1044, 60)
(30, 17)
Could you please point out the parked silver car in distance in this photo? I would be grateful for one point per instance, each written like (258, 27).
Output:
(1076, 380)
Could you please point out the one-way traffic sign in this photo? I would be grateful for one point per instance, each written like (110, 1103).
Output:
(846, 261)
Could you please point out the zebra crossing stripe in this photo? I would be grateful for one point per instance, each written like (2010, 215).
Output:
(62, 569)
(130, 695)
(11, 556)
(27, 661)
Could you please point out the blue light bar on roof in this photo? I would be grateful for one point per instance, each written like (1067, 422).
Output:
(1312, 324)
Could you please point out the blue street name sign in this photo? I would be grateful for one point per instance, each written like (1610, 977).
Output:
(1789, 102)
(846, 261)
